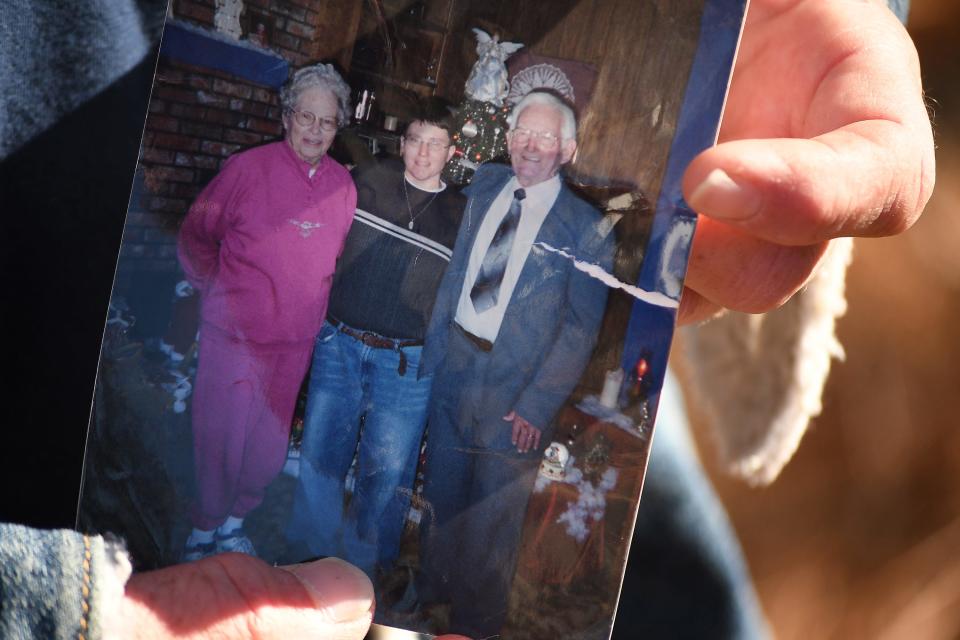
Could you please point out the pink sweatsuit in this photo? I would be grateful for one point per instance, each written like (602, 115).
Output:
(260, 244)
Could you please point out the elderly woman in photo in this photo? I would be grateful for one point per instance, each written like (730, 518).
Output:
(260, 244)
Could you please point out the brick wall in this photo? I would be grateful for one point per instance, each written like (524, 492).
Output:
(296, 23)
(198, 117)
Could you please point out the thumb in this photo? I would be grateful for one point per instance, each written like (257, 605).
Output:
(239, 597)
(510, 416)
(869, 178)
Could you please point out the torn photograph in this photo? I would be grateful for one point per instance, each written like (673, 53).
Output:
(397, 285)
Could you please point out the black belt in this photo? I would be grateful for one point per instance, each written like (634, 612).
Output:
(378, 341)
(484, 345)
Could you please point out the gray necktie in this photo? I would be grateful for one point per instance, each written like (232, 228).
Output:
(486, 289)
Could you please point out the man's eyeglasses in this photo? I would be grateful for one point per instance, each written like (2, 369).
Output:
(306, 119)
(433, 144)
(545, 139)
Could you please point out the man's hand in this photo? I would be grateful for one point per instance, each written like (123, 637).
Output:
(825, 134)
(236, 597)
(525, 435)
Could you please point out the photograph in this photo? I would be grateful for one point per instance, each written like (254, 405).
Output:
(397, 285)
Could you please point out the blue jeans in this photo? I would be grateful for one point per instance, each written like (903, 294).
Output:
(49, 586)
(349, 381)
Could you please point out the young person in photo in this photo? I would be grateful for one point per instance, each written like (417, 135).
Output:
(367, 355)
(260, 244)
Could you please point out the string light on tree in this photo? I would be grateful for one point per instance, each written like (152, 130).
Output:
(480, 136)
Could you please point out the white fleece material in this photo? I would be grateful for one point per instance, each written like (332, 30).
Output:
(758, 379)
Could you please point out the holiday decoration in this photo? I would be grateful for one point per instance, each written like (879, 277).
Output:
(487, 81)
(480, 123)
(480, 136)
(541, 76)
(554, 463)
(573, 80)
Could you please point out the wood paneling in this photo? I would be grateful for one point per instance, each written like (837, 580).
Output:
(642, 51)
(337, 23)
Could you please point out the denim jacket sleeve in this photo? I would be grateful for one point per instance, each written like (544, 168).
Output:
(56, 584)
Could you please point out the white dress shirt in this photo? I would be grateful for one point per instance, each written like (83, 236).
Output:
(533, 211)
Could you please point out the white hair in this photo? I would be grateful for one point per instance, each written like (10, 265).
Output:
(568, 126)
(323, 76)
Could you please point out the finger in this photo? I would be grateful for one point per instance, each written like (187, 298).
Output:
(341, 591)
(536, 439)
(521, 441)
(695, 308)
(517, 433)
(820, 143)
(236, 596)
(528, 437)
(510, 416)
(869, 178)
(731, 269)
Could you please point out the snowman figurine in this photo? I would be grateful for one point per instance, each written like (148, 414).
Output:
(554, 463)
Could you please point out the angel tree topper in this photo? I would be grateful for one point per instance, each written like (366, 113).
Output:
(488, 78)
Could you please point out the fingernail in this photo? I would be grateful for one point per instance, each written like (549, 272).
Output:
(340, 589)
(719, 196)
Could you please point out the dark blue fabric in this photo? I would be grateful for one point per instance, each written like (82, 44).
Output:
(475, 500)
(551, 323)
(76, 78)
(41, 582)
(686, 576)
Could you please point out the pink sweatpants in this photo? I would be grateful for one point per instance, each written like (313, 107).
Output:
(243, 403)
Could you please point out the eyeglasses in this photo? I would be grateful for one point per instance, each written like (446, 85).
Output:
(545, 139)
(306, 119)
(433, 143)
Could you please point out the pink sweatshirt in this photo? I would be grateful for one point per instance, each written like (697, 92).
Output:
(261, 241)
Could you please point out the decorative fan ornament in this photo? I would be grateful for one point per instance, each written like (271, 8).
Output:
(540, 76)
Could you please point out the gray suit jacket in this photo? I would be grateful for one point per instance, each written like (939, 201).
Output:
(551, 322)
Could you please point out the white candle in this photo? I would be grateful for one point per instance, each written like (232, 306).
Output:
(611, 388)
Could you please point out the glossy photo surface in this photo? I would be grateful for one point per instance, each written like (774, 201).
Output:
(398, 284)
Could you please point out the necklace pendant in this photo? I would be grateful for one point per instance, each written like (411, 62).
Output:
(410, 225)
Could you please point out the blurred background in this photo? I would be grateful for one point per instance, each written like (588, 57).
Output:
(860, 536)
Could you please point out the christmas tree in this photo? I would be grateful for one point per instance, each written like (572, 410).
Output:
(480, 135)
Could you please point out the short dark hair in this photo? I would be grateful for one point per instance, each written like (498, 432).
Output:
(435, 111)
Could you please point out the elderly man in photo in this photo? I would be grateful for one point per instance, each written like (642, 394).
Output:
(512, 329)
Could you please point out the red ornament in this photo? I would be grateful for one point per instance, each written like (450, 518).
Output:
(478, 156)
